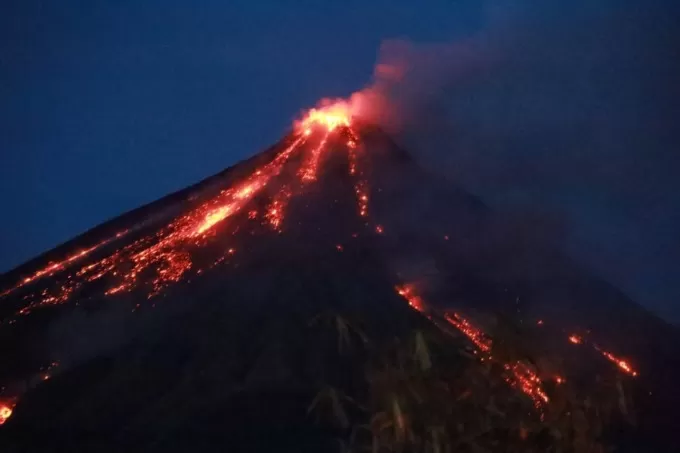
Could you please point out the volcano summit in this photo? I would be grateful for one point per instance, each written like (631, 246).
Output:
(326, 292)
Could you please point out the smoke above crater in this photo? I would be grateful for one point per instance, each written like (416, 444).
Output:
(563, 113)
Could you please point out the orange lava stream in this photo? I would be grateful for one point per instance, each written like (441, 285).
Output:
(308, 171)
(518, 375)
(60, 265)
(165, 257)
(361, 186)
(168, 251)
(414, 300)
(479, 338)
(622, 364)
(522, 377)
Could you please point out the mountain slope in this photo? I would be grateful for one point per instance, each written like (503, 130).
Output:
(192, 317)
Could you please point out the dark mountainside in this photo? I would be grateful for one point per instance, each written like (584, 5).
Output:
(264, 308)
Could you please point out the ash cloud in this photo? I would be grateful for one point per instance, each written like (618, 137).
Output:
(563, 112)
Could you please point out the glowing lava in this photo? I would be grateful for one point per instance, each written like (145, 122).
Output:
(168, 252)
(575, 339)
(58, 266)
(414, 300)
(518, 375)
(5, 412)
(276, 209)
(521, 376)
(479, 338)
(308, 172)
(622, 364)
(159, 259)
(330, 116)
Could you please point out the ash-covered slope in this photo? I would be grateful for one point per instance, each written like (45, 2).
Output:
(188, 324)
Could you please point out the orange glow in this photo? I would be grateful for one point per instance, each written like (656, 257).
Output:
(276, 209)
(61, 265)
(408, 293)
(166, 256)
(575, 339)
(518, 375)
(167, 252)
(526, 380)
(475, 335)
(308, 172)
(622, 364)
(5, 412)
(330, 116)
(361, 186)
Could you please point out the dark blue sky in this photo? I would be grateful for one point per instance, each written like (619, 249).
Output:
(107, 105)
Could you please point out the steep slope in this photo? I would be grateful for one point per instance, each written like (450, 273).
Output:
(186, 323)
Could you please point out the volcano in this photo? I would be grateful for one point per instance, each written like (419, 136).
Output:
(328, 291)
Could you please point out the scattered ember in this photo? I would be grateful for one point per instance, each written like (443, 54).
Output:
(539, 322)
(338, 247)
(276, 209)
(575, 339)
(361, 186)
(379, 229)
(362, 198)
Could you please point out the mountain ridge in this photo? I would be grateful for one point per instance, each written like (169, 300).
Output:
(333, 204)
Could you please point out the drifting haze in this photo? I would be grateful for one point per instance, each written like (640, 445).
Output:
(565, 114)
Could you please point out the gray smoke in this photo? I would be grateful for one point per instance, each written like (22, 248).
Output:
(565, 111)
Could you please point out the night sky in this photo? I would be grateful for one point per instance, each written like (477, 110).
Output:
(108, 105)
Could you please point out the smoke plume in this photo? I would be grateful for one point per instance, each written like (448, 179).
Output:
(564, 112)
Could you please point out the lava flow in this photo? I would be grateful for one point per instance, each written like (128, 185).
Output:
(479, 338)
(414, 300)
(58, 266)
(518, 375)
(165, 257)
(622, 364)
(157, 260)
